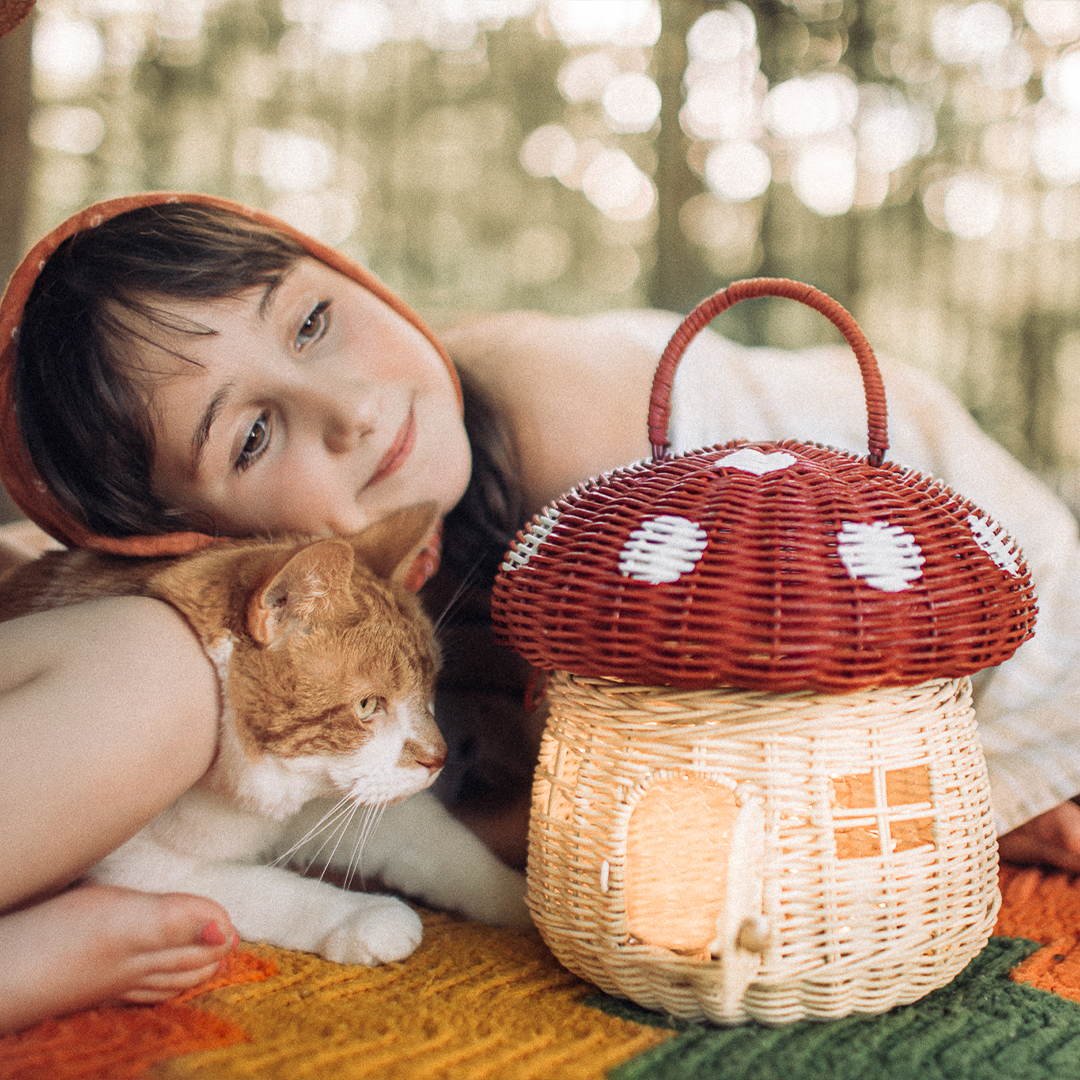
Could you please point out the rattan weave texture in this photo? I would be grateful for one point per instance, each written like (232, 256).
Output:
(868, 847)
(777, 566)
(760, 792)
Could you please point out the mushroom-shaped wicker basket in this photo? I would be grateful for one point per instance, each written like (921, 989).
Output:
(760, 791)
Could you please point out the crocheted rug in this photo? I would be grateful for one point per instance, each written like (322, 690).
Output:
(479, 1004)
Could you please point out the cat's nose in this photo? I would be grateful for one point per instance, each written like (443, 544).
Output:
(432, 759)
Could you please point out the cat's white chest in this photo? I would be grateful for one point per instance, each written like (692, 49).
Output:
(199, 827)
(204, 825)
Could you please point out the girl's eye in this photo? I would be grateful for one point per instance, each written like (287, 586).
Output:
(366, 707)
(258, 439)
(314, 326)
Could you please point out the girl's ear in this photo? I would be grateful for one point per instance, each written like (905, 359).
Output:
(390, 546)
(306, 587)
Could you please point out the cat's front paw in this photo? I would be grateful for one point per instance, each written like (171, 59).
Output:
(380, 930)
(501, 902)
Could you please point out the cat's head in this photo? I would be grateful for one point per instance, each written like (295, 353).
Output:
(328, 669)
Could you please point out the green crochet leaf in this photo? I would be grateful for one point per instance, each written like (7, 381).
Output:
(982, 1026)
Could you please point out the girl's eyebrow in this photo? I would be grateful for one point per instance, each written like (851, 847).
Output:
(202, 432)
(270, 295)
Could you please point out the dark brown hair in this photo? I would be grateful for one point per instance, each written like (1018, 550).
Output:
(82, 415)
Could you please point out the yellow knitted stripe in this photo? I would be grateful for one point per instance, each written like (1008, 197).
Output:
(471, 1003)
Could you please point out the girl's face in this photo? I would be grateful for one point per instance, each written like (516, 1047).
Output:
(313, 407)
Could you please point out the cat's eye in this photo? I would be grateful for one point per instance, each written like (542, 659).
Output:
(366, 707)
(314, 326)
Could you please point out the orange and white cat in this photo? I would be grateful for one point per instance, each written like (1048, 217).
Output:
(327, 667)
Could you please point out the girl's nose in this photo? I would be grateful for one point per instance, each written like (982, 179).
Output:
(345, 414)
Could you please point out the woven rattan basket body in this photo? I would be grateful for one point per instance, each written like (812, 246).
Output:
(761, 793)
(738, 854)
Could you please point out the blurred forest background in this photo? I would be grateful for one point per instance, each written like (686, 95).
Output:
(918, 160)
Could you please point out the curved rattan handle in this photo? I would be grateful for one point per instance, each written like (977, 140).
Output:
(708, 309)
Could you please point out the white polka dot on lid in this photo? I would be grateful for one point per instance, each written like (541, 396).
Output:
(662, 549)
(882, 555)
(754, 461)
(991, 543)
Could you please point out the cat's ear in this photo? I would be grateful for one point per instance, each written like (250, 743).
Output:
(306, 587)
(390, 546)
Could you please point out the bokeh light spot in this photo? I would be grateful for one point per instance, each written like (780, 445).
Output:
(621, 22)
(631, 103)
(355, 26)
(68, 128)
(290, 161)
(1057, 22)
(1061, 80)
(824, 176)
(737, 171)
(585, 77)
(68, 49)
(1009, 69)
(550, 150)
(801, 107)
(973, 204)
(720, 105)
(1055, 148)
(1060, 214)
(963, 34)
(723, 34)
(891, 132)
(617, 187)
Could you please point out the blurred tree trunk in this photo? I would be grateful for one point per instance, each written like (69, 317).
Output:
(14, 144)
(679, 278)
(15, 170)
(1040, 334)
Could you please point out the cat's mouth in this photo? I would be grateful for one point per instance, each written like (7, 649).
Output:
(362, 795)
(398, 451)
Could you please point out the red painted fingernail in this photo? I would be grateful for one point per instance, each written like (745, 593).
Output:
(211, 934)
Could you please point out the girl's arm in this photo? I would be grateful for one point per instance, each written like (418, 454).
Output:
(108, 712)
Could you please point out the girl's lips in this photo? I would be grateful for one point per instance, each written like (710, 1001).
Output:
(398, 451)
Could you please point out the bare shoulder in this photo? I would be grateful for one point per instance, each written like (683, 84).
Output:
(574, 391)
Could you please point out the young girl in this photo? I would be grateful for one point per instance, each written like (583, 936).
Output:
(177, 368)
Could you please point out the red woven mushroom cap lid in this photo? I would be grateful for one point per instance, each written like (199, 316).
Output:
(774, 566)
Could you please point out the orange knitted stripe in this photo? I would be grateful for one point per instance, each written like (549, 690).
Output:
(121, 1042)
(1044, 906)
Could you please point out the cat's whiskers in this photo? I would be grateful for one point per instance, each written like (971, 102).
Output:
(330, 821)
(341, 833)
(455, 599)
(372, 816)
